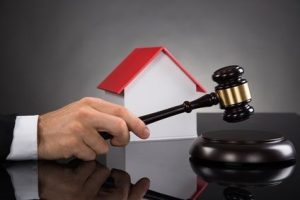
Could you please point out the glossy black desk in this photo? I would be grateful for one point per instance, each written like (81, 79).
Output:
(166, 164)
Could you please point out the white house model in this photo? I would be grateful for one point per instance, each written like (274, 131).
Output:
(149, 80)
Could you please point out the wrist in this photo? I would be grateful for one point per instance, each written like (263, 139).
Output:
(40, 136)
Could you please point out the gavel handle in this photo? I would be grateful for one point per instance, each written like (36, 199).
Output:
(204, 101)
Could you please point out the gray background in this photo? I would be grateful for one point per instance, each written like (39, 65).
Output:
(55, 52)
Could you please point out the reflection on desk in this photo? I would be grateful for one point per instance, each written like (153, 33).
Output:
(76, 180)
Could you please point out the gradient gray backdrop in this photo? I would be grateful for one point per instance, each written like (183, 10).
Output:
(55, 52)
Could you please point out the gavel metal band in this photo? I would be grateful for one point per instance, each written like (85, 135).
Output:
(234, 95)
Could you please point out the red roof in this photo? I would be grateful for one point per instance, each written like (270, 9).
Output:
(133, 64)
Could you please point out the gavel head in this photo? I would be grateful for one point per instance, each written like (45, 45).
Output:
(233, 93)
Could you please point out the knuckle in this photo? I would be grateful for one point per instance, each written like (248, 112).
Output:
(83, 113)
(72, 142)
(76, 128)
(87, 100)
(122, 126)
(120, 111)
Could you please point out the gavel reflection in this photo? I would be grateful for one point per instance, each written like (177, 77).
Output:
(240, 180)
(232, 93)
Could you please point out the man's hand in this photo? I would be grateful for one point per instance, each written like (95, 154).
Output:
(74, 129)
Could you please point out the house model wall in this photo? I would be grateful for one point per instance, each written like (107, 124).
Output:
(149, 80)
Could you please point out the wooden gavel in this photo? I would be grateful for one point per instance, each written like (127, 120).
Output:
(232, 92)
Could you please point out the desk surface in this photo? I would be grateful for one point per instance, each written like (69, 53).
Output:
(166, 164)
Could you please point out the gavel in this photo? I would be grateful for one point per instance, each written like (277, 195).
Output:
(232, 93)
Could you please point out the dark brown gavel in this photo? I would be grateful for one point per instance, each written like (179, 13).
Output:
(232, 92)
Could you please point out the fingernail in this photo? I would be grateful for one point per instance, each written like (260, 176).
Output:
(146, 132)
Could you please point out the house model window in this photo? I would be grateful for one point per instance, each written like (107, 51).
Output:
(151, 79)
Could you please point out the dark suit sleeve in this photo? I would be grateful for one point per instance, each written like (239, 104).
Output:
(6, 187)
(7, 124)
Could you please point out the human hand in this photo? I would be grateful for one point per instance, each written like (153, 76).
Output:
(74, 129)
(86, 181)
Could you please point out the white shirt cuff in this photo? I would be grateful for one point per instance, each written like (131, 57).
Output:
(24, 143)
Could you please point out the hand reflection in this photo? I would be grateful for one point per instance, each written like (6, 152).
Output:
(121, 187)
(85, 181)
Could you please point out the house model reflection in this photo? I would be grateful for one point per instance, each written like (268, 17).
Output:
(151, 79)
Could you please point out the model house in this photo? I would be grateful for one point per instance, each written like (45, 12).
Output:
(151, 79)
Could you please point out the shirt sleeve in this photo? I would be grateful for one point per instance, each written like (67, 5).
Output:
(24, 143)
